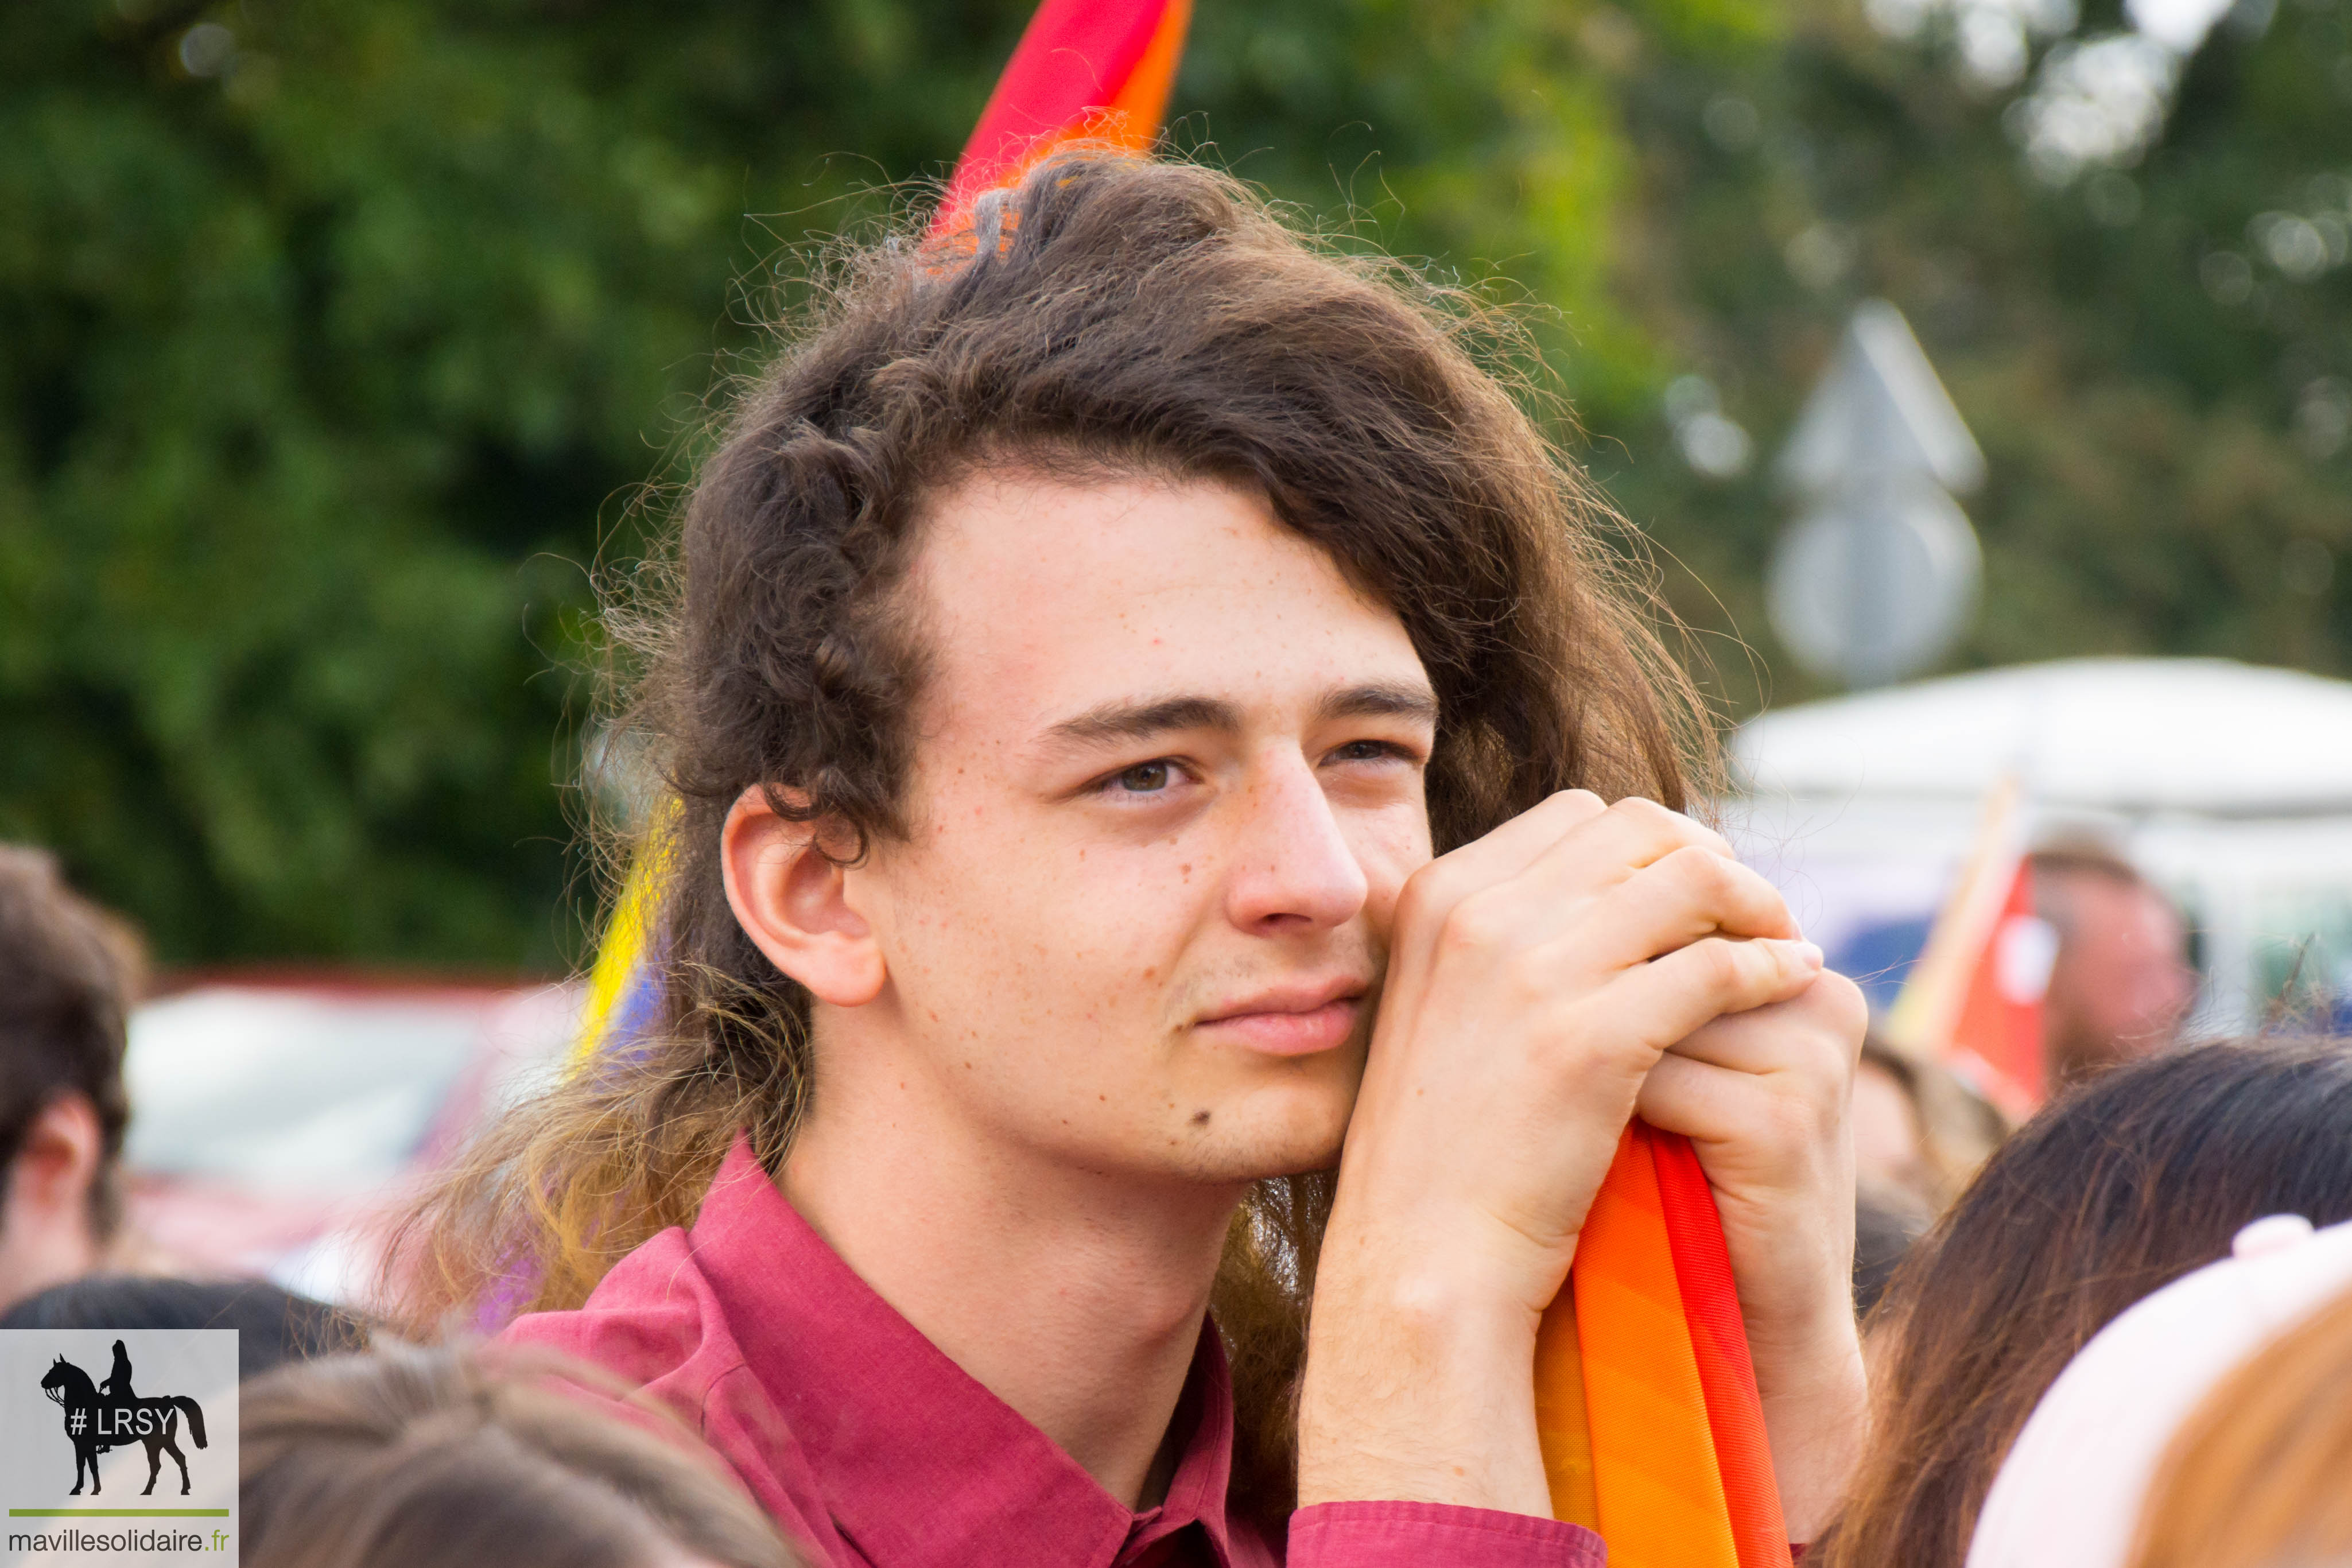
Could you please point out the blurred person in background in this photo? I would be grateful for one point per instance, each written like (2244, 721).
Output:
(1919, 1134)
(1897, 1189)
(411, 1459)
(1883, 1235)
(274, 1326)
(68, 974)
(1891, 1152)
(2121, 987)
(2128, 1183)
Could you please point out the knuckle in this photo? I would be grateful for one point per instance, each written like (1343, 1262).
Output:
(1437, 887)
(1424, 890)
(1573, 806)
(1721, 964)
(1668, 822)
(1617, 1056)
(1847, 1010)
(1529, 974)
(1701, 870)
(1642, 809)
(1476, 923)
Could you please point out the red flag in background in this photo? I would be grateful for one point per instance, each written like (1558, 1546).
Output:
(1973, 1002)
(1093, 69)
(1998, 1039)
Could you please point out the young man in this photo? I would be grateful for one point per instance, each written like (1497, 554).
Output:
(65, 971)
(1141, 712)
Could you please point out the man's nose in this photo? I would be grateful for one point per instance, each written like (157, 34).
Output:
(1294, 865)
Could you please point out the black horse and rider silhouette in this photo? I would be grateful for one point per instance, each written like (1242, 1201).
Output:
(114, 1416)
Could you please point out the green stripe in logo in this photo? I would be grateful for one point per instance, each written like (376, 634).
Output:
(118, 1513)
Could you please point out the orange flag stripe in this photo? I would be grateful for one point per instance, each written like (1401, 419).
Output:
(1142, 105)
(1562, 1429)
(1656, 1481)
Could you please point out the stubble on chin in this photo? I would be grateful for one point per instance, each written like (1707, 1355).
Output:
(1282, 1129)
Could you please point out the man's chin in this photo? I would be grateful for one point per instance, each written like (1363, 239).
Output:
(1247, 1169)
(1306, 1138)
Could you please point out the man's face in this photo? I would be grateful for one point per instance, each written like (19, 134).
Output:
(2121, 987)
(1166, 788)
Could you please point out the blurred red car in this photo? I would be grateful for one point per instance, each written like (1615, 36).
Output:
(278, 1121)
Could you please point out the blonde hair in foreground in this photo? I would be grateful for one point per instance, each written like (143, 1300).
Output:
(1125, 318)
(2261, 1475)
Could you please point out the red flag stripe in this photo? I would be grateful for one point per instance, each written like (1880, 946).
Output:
(1727, 1376)
(1076, 56)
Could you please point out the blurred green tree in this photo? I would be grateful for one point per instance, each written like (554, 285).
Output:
(333, 340)
(335, 343)
(2121, 238)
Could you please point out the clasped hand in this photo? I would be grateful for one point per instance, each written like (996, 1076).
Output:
(1580, 965)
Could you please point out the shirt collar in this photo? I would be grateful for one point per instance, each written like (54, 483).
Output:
(920, 1464)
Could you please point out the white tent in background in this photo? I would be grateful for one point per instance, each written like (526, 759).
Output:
(2231, 784)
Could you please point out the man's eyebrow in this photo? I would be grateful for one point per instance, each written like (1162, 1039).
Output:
(1116, 723)
(1120, 722)
(1380, 700)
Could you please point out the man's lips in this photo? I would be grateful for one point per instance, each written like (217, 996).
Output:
(1293, 1021)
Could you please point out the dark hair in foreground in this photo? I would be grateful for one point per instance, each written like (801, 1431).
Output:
(414, 1459)
(2118, 1189)
(67, 970)
(272, 1325)
(1113, 317)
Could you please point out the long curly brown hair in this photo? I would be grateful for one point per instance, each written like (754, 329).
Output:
(1119, 315)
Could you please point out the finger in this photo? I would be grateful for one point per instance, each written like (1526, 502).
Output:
(1770, 1115)
(1615, 844)
(1665, 1000)
(1819, 1027)
(1545, 898)
(1648, 831)
(1437, 889)
(1691, 893)
(1704, 1102)
(1621, 845)
(1518, 843)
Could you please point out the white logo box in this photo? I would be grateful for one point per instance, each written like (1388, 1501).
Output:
(181, 1379)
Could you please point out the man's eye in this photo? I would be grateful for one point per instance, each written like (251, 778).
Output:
(1144, 778)
(1364, 752)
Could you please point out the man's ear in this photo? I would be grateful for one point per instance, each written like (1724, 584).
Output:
(793, 900)
(56, 1163)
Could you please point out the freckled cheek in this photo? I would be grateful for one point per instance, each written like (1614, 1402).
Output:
(1078, 933)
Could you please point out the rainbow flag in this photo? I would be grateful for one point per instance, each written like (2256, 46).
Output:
(1095, 70)
(623, 994)
(1646, 1406)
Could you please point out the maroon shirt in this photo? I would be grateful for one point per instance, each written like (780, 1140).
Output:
(874, 1451)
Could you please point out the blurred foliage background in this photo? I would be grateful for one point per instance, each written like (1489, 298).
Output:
(337, 340)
